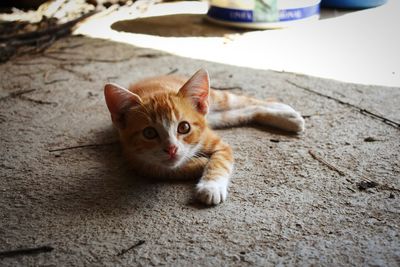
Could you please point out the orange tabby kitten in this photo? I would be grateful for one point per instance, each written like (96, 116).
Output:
(163, 124)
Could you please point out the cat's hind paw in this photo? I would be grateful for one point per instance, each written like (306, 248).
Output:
(281, 116)
(212, 192)
(293, 122)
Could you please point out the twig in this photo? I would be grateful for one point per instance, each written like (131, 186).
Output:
(43, 47)
(85, 76)
(55, 58)
(100, 44)
(152, 55)
(62, 48)
(18, 93)
(371, 139)
(227, 88)
(56, 81)
(103, 60)
(106, 12)
(80, 146)
(112, 78)
(36, 40)
(22, 92)
(28, 74)
(71, 64)
(53, 7)
(313, 115)
(361, 110)
(172, 71)
(63, 52)
(40, 44)
(25, 251)
(141, 242)
(46, 75)
(351, 189)
(21, 63)
(330, 166)
(38, 101)
(46, 79)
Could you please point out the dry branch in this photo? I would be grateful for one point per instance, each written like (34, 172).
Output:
(227, 88)
(102, 60)
(18, 93)
(56, 81)
(139, 243)
(38, 101)
(172, 71)
(80, 146)
(330, 166)
(47, 81)
(85, 76)
(25, 251)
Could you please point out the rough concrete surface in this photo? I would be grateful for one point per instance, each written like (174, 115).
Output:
(285, 207)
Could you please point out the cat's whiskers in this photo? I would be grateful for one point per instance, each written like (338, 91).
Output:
(200, 154)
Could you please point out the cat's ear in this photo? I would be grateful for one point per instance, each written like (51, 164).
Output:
(118, 101)
(197, 90)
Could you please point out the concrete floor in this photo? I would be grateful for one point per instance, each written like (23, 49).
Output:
(285, 207)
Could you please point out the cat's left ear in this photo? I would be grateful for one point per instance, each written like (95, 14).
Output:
(197, 90)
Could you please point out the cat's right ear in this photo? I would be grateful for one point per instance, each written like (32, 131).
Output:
(118, 101)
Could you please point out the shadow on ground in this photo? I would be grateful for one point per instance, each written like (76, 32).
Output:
(181, 25)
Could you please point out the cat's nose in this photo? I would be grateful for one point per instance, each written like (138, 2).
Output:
(171, 150)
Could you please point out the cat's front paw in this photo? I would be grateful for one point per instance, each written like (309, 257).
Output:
(212, 192)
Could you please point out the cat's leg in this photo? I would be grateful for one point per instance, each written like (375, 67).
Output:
(212, 188)
(270, 114)
(193, 169)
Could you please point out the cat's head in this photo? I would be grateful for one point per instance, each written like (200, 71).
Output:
(165, 129)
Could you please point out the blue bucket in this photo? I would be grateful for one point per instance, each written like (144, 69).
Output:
(352, 4)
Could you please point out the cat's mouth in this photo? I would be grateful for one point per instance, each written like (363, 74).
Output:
(172, 162)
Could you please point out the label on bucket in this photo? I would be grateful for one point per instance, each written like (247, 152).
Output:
(256, 11)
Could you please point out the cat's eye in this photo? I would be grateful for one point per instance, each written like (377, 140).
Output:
(150, 133)
(183, 127)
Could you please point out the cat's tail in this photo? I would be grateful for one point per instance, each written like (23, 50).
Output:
(229, 109)
(223, 101)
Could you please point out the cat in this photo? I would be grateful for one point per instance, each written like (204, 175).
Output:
(165, 128)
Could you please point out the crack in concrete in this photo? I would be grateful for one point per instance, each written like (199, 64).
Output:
(361, 110)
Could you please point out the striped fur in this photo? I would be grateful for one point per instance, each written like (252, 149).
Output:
(165, 125)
